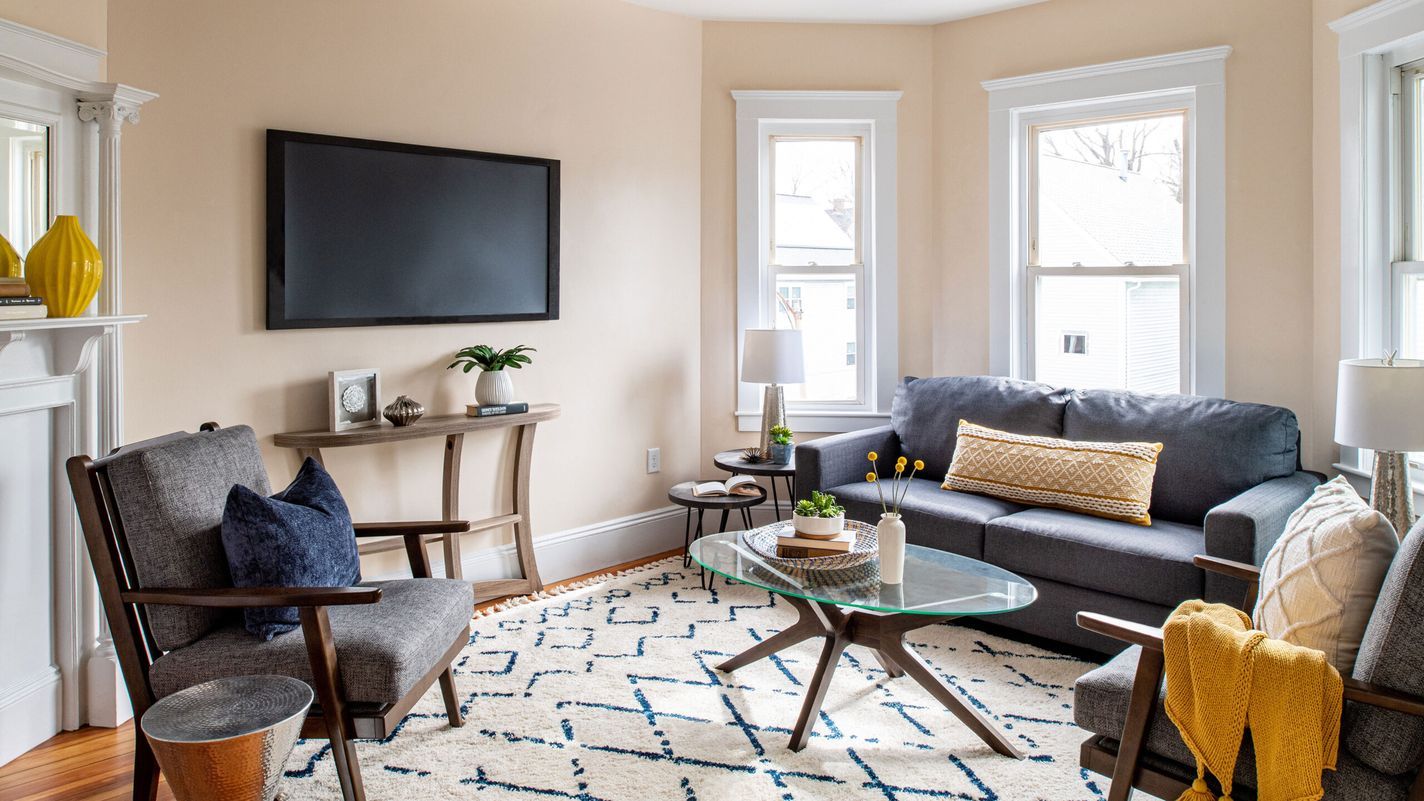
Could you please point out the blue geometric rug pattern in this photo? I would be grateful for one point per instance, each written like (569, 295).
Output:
(608, 693)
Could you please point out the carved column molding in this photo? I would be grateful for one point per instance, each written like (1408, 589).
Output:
(106, 700)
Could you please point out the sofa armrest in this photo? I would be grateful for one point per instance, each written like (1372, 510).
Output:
(840, 459)
(1244, 528)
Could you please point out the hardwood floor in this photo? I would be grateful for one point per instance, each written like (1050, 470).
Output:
(95, 764)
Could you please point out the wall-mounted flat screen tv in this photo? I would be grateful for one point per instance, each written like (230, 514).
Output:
(376, 233)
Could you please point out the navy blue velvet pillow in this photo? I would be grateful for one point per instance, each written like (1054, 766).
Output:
(300, 537)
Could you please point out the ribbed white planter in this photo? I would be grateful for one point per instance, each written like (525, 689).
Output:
(493, 388)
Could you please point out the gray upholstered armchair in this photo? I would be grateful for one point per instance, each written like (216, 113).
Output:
(1381, 736)
(151, 514)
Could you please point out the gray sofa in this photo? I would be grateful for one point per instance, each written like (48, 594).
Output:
(1227, 478)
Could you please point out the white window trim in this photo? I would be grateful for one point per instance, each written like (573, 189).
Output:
(1197, 77)
(1373, 41)
(761, 114)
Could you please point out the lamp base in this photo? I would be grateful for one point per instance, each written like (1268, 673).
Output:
(773, 413)
(1390, 492)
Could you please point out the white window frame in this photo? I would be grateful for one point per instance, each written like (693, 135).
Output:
(871, 116)
(1194, 80)
(1373, 43)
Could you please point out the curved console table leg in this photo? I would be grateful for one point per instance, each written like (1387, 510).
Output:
(523, 532)
(450, 503)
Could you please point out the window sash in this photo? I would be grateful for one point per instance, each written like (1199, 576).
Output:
(1182, 272)
(773, 274)
(1031, 182)
(770, 198)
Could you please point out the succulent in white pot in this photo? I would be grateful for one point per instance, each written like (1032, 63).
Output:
(494, 386)
(819, 517)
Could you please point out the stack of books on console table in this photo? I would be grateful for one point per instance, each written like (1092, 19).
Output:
(790, 546)
(16, 302)
(476, 410)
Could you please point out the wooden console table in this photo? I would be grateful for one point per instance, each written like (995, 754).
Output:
(454, 427)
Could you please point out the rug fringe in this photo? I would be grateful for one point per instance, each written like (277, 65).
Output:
(561, 589)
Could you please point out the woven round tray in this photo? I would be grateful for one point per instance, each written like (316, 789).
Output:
(763, 541)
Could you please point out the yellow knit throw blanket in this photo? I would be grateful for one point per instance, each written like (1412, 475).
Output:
(1223, 677)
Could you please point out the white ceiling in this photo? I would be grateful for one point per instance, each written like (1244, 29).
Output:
(911, 12)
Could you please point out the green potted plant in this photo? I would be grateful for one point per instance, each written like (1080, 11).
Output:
(783, 442)
(820, 517)
(494, 386)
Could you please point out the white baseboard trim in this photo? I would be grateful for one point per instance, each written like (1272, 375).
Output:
(30, 713)
(586, 549)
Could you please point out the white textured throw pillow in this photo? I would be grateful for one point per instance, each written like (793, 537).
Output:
(1320, 580)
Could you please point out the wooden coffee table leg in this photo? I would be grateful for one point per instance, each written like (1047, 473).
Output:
(816, 692)
(893, 648)
(808, 625)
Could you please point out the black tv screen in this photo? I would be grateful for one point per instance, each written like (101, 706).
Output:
(376, 233)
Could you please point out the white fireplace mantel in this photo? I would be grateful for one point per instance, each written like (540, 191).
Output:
(60, 395)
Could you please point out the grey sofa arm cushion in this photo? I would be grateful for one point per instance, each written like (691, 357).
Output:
(840, 459)
(1244, 528)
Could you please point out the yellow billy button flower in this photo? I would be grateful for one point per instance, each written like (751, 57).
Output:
(899, 467)
(871, 477)
(873, 456)
(902, 461)
(919, 464)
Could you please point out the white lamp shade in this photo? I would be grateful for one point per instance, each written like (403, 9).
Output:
(1378, 406)
(773, 356)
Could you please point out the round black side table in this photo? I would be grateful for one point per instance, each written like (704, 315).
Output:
(735, 463)
(681, 495)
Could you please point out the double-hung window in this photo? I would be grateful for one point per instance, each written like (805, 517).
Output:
(1107, 255)
(1107, 225)
(816, 248)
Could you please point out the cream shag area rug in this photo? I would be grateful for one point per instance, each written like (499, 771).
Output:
(607, 693)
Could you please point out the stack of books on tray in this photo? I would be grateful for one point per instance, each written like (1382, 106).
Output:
(16, 302)
(792, 546)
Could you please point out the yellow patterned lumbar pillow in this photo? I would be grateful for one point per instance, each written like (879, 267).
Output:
(1106, 479)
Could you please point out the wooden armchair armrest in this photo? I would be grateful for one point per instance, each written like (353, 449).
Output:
(1382, 697)
(239, 597)
(1228, 568)
(423, 528)
(1123, 630)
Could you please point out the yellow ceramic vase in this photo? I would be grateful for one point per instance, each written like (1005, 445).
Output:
(64, 268)
(9, 260)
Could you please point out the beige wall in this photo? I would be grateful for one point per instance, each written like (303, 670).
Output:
(792, 56)
(609, 88)
(1269, 312)
(84, 21)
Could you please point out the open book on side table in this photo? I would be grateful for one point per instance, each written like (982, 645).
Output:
(736, 485)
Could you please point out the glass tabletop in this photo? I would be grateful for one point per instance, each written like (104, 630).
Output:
(935, 582)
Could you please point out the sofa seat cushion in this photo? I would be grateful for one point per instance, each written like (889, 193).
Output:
(1100, 701)
(934, 518)
(382, 649)
(1150, 563)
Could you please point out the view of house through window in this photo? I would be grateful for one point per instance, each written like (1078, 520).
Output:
(815, 263)
(1107, 260)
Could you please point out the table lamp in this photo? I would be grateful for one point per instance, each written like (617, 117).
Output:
(773, 357)
(1377, 406)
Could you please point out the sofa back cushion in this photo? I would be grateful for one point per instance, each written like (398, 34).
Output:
(1212, 449)
(927, 411)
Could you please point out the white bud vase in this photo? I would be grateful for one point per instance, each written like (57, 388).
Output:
(494, 388)
(890, 535)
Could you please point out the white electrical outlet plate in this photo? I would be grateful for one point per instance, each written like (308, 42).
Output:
(655, 460)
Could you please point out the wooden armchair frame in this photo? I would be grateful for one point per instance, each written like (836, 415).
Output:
(1124, 762)
(332, 716)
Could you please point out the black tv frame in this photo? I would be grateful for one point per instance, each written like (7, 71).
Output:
(277, 318)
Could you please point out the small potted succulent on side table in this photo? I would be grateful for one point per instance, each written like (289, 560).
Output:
(819, 518)
(494, 387)
(783, 442)
(890, 533)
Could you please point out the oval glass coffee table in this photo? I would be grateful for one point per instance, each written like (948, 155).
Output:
(852, 607)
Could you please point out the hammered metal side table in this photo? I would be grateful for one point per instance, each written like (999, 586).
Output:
(227, 740)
